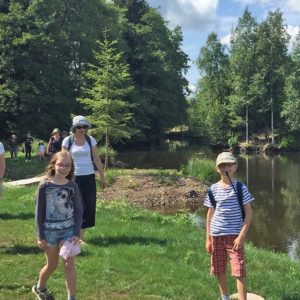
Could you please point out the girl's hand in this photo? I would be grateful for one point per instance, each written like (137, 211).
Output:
(75, 239)
(42, 244)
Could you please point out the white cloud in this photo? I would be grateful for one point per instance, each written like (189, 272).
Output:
(189, 14)
(225, 40)
(260, 2)
(293, 5)
(292, 31)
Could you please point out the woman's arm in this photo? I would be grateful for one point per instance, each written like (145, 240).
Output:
(98, 164)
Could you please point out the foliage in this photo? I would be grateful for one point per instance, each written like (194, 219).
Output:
(233, 141)
(46, 46)
(208, 118)
(287, 142)
(202, 168)
(108, 85)
(291, 105)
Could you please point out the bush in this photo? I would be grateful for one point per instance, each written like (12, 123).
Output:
(201, 168)
(233, 142)
(287, 142)
(111, 153)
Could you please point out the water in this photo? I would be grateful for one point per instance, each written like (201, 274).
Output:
(272, 180)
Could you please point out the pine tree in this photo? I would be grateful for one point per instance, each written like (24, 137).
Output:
(108, 85)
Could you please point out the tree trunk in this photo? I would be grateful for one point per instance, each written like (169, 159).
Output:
(247, 126)
(106, 150)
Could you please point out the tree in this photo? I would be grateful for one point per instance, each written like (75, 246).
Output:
(272, 65)
(242, 70)
(108, 85)
(291, 105)
(209, 115)
(157, 66)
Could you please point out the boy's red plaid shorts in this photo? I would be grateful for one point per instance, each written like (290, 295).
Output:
(222, 249)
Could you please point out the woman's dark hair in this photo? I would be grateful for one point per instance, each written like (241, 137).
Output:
(50, 170)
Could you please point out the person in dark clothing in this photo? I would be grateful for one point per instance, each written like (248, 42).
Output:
(13, 147)
(28, 146)
(54, 144)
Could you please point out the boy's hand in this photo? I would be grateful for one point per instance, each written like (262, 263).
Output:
(238, 243)
(209, 246)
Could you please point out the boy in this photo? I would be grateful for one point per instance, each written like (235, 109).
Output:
(225, 228)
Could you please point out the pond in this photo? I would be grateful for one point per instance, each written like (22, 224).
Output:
(274, 181)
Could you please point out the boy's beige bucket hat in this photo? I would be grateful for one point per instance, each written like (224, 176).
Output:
(225, 157)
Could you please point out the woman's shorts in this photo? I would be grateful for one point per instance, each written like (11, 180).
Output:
(222, 248)
(53, 237)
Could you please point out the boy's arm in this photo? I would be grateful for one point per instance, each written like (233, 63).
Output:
(208, 244)
(239, 241)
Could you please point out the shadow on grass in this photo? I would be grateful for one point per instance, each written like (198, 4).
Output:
(291, 297)
(126, 240)
(21, 216)
(15, 287)
(19, 249)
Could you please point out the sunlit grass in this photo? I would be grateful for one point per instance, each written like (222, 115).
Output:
(131, 254)
(202, 168)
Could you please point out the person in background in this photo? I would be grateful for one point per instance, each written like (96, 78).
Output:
(83, 149)
(41, 151)
(54, 144)
(28, 146)
(58, 216)
(64, 134)
(13, 147)
(225, 227)
(2, 168)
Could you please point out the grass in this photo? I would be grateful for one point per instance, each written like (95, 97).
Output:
(202, 168)
(131, 254)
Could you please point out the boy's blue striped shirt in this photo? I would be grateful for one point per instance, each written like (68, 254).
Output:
(227, 218)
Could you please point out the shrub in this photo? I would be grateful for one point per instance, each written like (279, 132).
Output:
(233, 142)
(287, 142)
(201, 168)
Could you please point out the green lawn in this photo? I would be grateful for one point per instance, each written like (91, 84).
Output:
(131, 254)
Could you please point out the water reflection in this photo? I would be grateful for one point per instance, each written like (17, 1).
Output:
(273, 181)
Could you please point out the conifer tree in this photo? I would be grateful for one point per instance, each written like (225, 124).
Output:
(108, 85)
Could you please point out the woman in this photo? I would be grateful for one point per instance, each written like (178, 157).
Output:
(84, 153)
(54, 144)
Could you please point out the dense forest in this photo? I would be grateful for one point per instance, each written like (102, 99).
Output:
(251, 88)
(119, 63)
(47, 51)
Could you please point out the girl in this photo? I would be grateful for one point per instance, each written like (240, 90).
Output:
(58, 216)
(41, 151)
(83, 149)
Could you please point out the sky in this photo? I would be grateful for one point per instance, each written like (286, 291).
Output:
(198, 18)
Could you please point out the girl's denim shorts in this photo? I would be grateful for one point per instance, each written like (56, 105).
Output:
(53, 237)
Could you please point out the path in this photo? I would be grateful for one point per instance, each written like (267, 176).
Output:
(27, 181)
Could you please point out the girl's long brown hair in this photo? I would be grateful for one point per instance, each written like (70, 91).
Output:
(50, 170)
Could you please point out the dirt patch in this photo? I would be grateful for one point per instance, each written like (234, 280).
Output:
(164, 193)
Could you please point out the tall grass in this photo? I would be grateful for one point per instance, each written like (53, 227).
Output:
(131, 254)
(202, 168)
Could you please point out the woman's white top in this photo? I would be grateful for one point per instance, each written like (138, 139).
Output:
(1, 148)
(82, 156)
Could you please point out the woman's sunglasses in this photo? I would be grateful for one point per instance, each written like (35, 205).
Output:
(81, 127)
